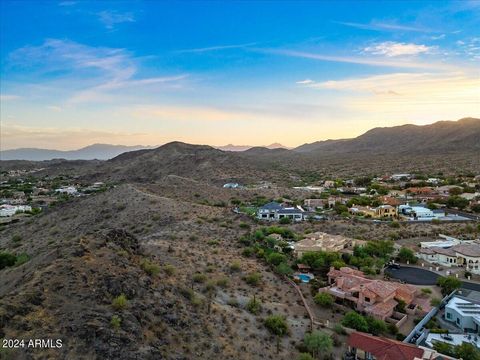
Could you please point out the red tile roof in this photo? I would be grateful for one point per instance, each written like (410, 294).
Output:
(383, 348)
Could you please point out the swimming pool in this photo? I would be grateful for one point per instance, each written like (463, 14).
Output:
(304, 277)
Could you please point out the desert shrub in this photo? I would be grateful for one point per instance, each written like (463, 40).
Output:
(222, 282)
(115, 322)
(120, 302)
(199, 278)
(253, 278)
(248, 251)
(235, 266)
(426, 291)
(149, 267)
(7, 259)
(254, 306)
(276, 324)
(169, 269)
(22, 259)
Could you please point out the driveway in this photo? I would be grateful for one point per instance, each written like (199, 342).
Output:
(416, 276)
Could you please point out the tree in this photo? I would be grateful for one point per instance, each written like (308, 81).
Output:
(277, 325)
(376, 326)
(323, 299)
(467, 351)
(276, 258)
(318, 342)
(457, 202)
(283, 269)
(355, 321)
(405, 254)
(448, 284)
(443, 348)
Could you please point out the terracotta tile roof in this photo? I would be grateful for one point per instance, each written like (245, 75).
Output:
(382, 308)
(381, 288)
(383, 348)
(472, 250)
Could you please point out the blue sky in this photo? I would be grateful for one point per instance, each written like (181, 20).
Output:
(133, 72)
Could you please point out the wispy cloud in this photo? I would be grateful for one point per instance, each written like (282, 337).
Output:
(439, 37)
(371, 61)
(111, 18)
(94, 71)
(9, 97)
(305, 82)
(383, 26)
(216, 48)
(67, 3)
(393, 49)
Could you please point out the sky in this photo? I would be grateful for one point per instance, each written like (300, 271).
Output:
(74, 73)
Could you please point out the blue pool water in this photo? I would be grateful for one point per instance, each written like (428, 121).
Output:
(304, 277)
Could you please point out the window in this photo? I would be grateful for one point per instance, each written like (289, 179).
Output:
(367, 299)
(449, 316)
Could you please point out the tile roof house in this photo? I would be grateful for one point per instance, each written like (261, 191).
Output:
(273, 211)
(367, 347)
(377, 298)
(464, 255)
(320, 241)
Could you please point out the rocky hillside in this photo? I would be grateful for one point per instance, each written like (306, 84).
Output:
(441, 137)
(132, 274)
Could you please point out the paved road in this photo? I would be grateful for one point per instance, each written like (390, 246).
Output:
(416, 276)
(413, 275)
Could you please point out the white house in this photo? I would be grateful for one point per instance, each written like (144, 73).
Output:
(462, 255)
(274, 211)
(70, 190)
(10, 210)
(416, 212)
(463, 313)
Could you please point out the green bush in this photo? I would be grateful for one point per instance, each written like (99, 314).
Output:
(276, 324)
(355, 321)
(324, 299)
(253, 278)
(318, 342)
(169, 269)
(235, 266)
(149, 267)
(199, 278)
(115, 322)
(7, 259)
(254, 306)
(120, 302)
(22, 259)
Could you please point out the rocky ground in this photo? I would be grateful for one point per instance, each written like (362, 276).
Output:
(86, 253)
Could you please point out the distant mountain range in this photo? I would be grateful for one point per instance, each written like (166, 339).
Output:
(91, 152)
(231, 147)
(443, 137)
